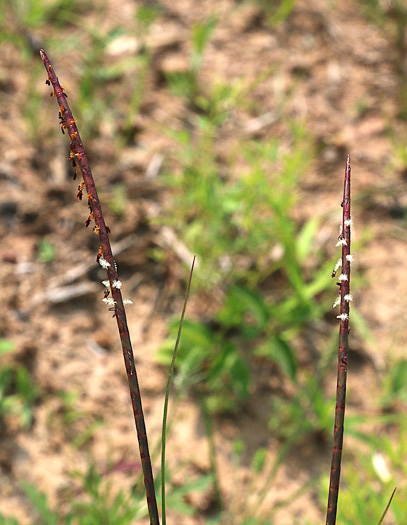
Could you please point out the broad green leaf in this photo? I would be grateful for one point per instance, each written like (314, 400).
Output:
(240, 301)
(279, 351)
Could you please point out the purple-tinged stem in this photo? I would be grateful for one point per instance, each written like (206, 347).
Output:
(345, 298)
(105, 258)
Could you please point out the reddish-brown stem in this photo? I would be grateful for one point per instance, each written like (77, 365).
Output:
(344, 281)
(78, 156)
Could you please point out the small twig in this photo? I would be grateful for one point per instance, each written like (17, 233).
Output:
(170, 240)
(81, 269)
(154, 166)
(67, 293)
(344, 301)
(255, 125)
(60, 287)
(167, 395)
(105, 259)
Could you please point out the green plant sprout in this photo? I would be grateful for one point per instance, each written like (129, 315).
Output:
(186, 84)
(277, 11)
(17, 391)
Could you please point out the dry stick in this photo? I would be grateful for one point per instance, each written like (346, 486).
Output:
(345, 298)
(105, 259)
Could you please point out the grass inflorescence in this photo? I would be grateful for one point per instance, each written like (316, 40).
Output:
(345, 298)
(105, 259)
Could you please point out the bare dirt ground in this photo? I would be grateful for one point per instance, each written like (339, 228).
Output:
(327, 60)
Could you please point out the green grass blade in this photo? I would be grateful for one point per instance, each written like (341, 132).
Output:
(387, 506)
(167, 395)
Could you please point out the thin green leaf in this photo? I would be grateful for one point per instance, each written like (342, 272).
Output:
(387, 506)
(167, 395)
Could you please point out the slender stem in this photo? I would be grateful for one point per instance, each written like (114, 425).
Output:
(105, 257)
(387, 507)
(344, 282)
(167, 395)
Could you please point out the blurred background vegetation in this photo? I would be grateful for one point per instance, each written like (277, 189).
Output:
(221, 130)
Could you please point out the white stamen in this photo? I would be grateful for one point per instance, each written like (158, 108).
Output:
(348, 222)
(109, 301)
(341, 242)
(350, 258)
(337, 302)
(106, 283)
(117, 284)
(343, 317)
(340, 230)
(127, 301)
(343, 277)
(104, 264)
(348, 297)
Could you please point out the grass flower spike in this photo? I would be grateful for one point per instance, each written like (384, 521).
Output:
(343, 316)
(104, 257)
